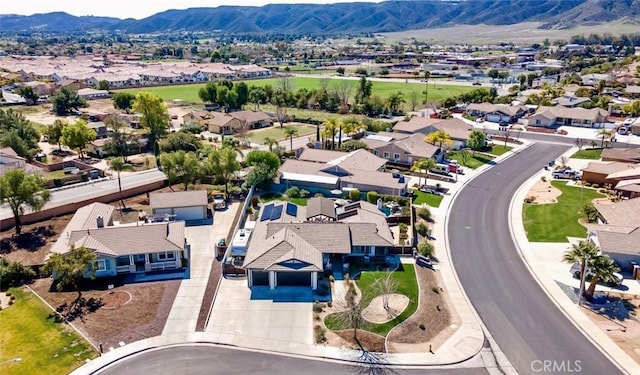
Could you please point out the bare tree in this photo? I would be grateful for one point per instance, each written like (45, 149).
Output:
(385, 286)
(465, 154)
(284, 84)
(414, 100)
(352, 317)
(324, 84)
(343, 90)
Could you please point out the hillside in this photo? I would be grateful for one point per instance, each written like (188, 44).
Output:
(386, 16)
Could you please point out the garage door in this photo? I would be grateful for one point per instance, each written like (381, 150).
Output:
(189, 213)
(294, 279)
(260, 278)
(162, 211)
(493, 118)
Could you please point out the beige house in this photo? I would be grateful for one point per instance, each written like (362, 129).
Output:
(401, 148)
(618, 231)
(496, 112)
(562, 116)
(227, 123)
(624, 178)
(180, 205)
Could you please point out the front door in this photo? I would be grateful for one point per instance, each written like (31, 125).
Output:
(139, 261)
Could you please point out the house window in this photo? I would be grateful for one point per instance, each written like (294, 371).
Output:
(166, 255)
(375, 152)
(537, 122)
(396, 156)
(101, 265)
(386, 155)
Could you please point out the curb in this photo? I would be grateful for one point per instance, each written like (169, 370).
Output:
(518, 241)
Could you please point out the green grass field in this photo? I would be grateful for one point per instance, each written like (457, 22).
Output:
(554, 222)
(473, 161)
(498, 150)
(265, 198)
(407, 284)
(430, 199)
(189, 93)
(591, 154)
(29, 332)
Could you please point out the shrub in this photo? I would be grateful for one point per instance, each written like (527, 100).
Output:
(57, 182)
(10, 302)
(435, 290)
(14, 273)
(424, 213)
(316, 316)
(372, 197)
(293, 192)
(317, 307)
(530, 199)
(13, 298)
(331, 278)
(330, 304)
(403, 228)
(425, 248)
(354, 195)
(422, 228)
(8, 294)
(304, 193)
(84, 176)
(543, 179)
(318, 195)
(319, 334)
(422, 327)
(255, 200)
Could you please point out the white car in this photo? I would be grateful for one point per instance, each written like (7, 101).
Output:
(219, 202)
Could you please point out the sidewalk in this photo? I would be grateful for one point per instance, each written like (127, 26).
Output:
(544, 268)
(183, 316)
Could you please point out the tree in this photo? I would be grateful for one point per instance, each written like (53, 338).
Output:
(54, 132)
(591, 212)
(394, 101)
(103, 85)
(581, 253)
(464, 155)
(270, 142)
(364, 90)
(352, 317)
(242, 93)
(605, 133)
(340, 70)
(602, 268)
(121, 143)
(476, 140)
(118, 165)
(155, 116)
(222, 164)
(265, 167)
(352, 145)
(180, 141)
(70, 268)
(422, 228)
(28, 94)
(77, 135)
(385, 286)
(181, 166)
(66, 100)
(632, 109)
(279, 99)
(257, 96)
(440, 137)
(331, 125)
(290, 132)
(423, 165)
(123, 100)
(18, 190)
(256, 157)
(18, 133)
(424, 212)
(208, 92)
(414, 100)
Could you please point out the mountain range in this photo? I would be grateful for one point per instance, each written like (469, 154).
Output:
(386, 16)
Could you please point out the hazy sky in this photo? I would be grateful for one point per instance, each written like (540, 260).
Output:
(131, 8)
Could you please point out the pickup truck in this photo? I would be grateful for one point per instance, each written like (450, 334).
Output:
(567, 174)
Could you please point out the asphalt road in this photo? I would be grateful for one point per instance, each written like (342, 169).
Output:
(543, 137)
(79, 193)
(210, 359)
(527, 326)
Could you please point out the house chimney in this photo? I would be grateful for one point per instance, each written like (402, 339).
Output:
(100, 221)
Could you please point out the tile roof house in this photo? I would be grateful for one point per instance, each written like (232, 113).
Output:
(182, 205)
(401, 148)
(618, 231)
(126, 249)
(563, 116)
(227, 123)
(624, 178)
(624, 155)
(496, 112)
(292, 249)
(354, 170)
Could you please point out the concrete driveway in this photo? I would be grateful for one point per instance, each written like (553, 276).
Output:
(259, 321)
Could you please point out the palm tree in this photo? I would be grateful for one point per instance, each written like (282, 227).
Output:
(270, 142)
(290, 132)
(423, 165)
(118, 165)
(605, 133)
(330, 127)
(602, 268)
(581, 253)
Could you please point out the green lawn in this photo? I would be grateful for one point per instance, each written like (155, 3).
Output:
(405, 278)
(55, 174)
(276, 132)
(265, 198)
(189, 93)
(554, 222)
(498, 150)
(473, 161)
(591, 154)
(29, 331)
(430, 199)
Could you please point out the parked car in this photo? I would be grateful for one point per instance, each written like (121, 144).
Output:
(477, 84)
(615, 281)
(219, 203)
(567, 174)
(503, 124)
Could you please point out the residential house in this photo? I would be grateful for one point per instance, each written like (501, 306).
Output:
(355, 170)
(562, 116)
(416, 124)
(570, 101)
(624, 178)
(496, 112)
(100, 128)
(9, 160)
(618, 231)
(623, 155)
(401, 148)
(91, 94)
(180, 205)
(457, 129)
(632, 91)
(286, 249)
(593, 78)
(129, 249)
(227, 123)
(634, 128)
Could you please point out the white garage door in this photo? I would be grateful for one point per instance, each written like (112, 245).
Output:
(189, 213)
(162, 211)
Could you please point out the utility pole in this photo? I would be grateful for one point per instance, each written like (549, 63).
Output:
(426, 89)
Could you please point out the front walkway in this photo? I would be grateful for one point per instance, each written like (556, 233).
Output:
(186, 306)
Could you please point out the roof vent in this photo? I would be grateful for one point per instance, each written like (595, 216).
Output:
(100, 221)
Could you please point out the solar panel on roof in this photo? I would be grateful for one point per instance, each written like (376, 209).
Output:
(276, 212)
(266, 212)
(292, 209)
